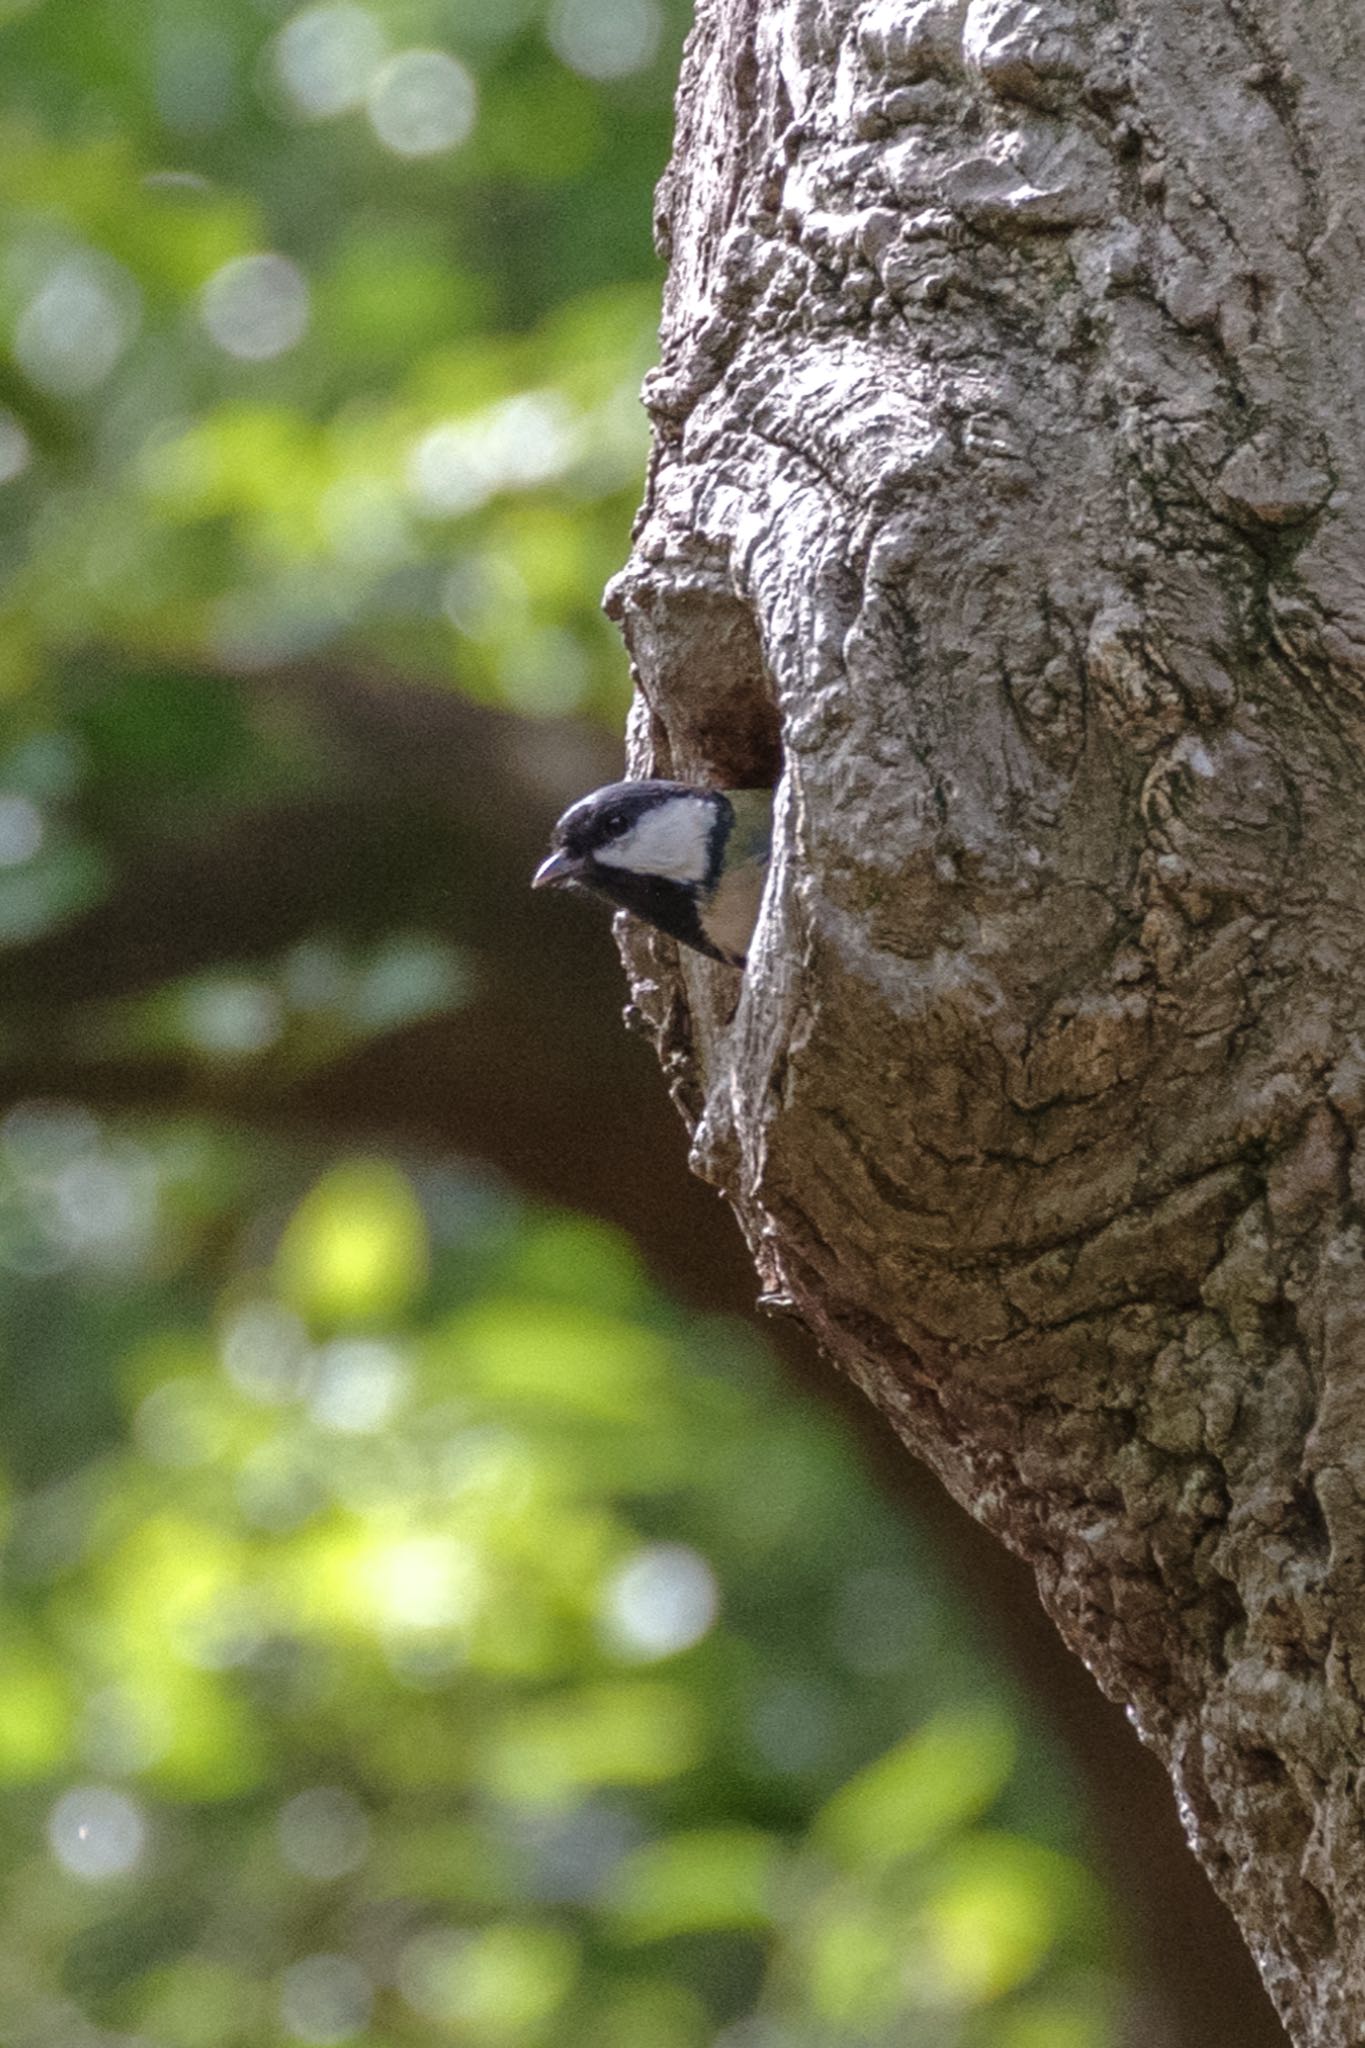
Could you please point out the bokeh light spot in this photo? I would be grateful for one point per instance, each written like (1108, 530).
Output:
(21, 830)
(40, 1137)
(426, 1582)
(520, 442)
(661, 1601)
(606, 38)
(422, 102)
(96, 1833)
(105, 1207)
(442, 474)
(428, 1970)
(75, 327)
(230, 1018)
(324, 1999)
(325, 57)
(256, 307)
(16, 450)
(265, 1352)
(357, 1384)
(483, 593)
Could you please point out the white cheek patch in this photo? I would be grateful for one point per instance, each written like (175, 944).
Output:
(673, 840)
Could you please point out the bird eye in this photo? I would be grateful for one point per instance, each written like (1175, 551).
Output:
(615, 821)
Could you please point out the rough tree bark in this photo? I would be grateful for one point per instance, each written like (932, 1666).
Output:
(1009, 498)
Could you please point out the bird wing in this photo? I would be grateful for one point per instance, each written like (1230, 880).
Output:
(751, 836)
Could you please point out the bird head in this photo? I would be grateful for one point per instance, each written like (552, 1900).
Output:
(660, 850)
(633, 832)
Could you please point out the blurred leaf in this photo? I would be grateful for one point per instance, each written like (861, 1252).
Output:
(35, 1711)
(691, 1883)
(355, 1249)
(1053, 2026)
(854, 1963)
(568, 1358)
(945, 1774)
(500, 1984)
(573, 1258)
(197, 2004)
(995, 1911)
(661, 2012)
(623, 1734)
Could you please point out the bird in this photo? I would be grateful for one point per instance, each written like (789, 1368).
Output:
(690, 861)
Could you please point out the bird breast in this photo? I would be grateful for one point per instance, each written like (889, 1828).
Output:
(731, 910)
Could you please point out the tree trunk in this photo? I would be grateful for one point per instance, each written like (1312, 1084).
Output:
(1009, 497)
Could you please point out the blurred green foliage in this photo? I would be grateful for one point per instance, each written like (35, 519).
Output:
(418, 1631)
(326, 326)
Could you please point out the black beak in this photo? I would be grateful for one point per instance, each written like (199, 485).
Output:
(557, 872)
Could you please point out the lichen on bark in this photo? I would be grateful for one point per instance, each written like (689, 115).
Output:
(1007, 503)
